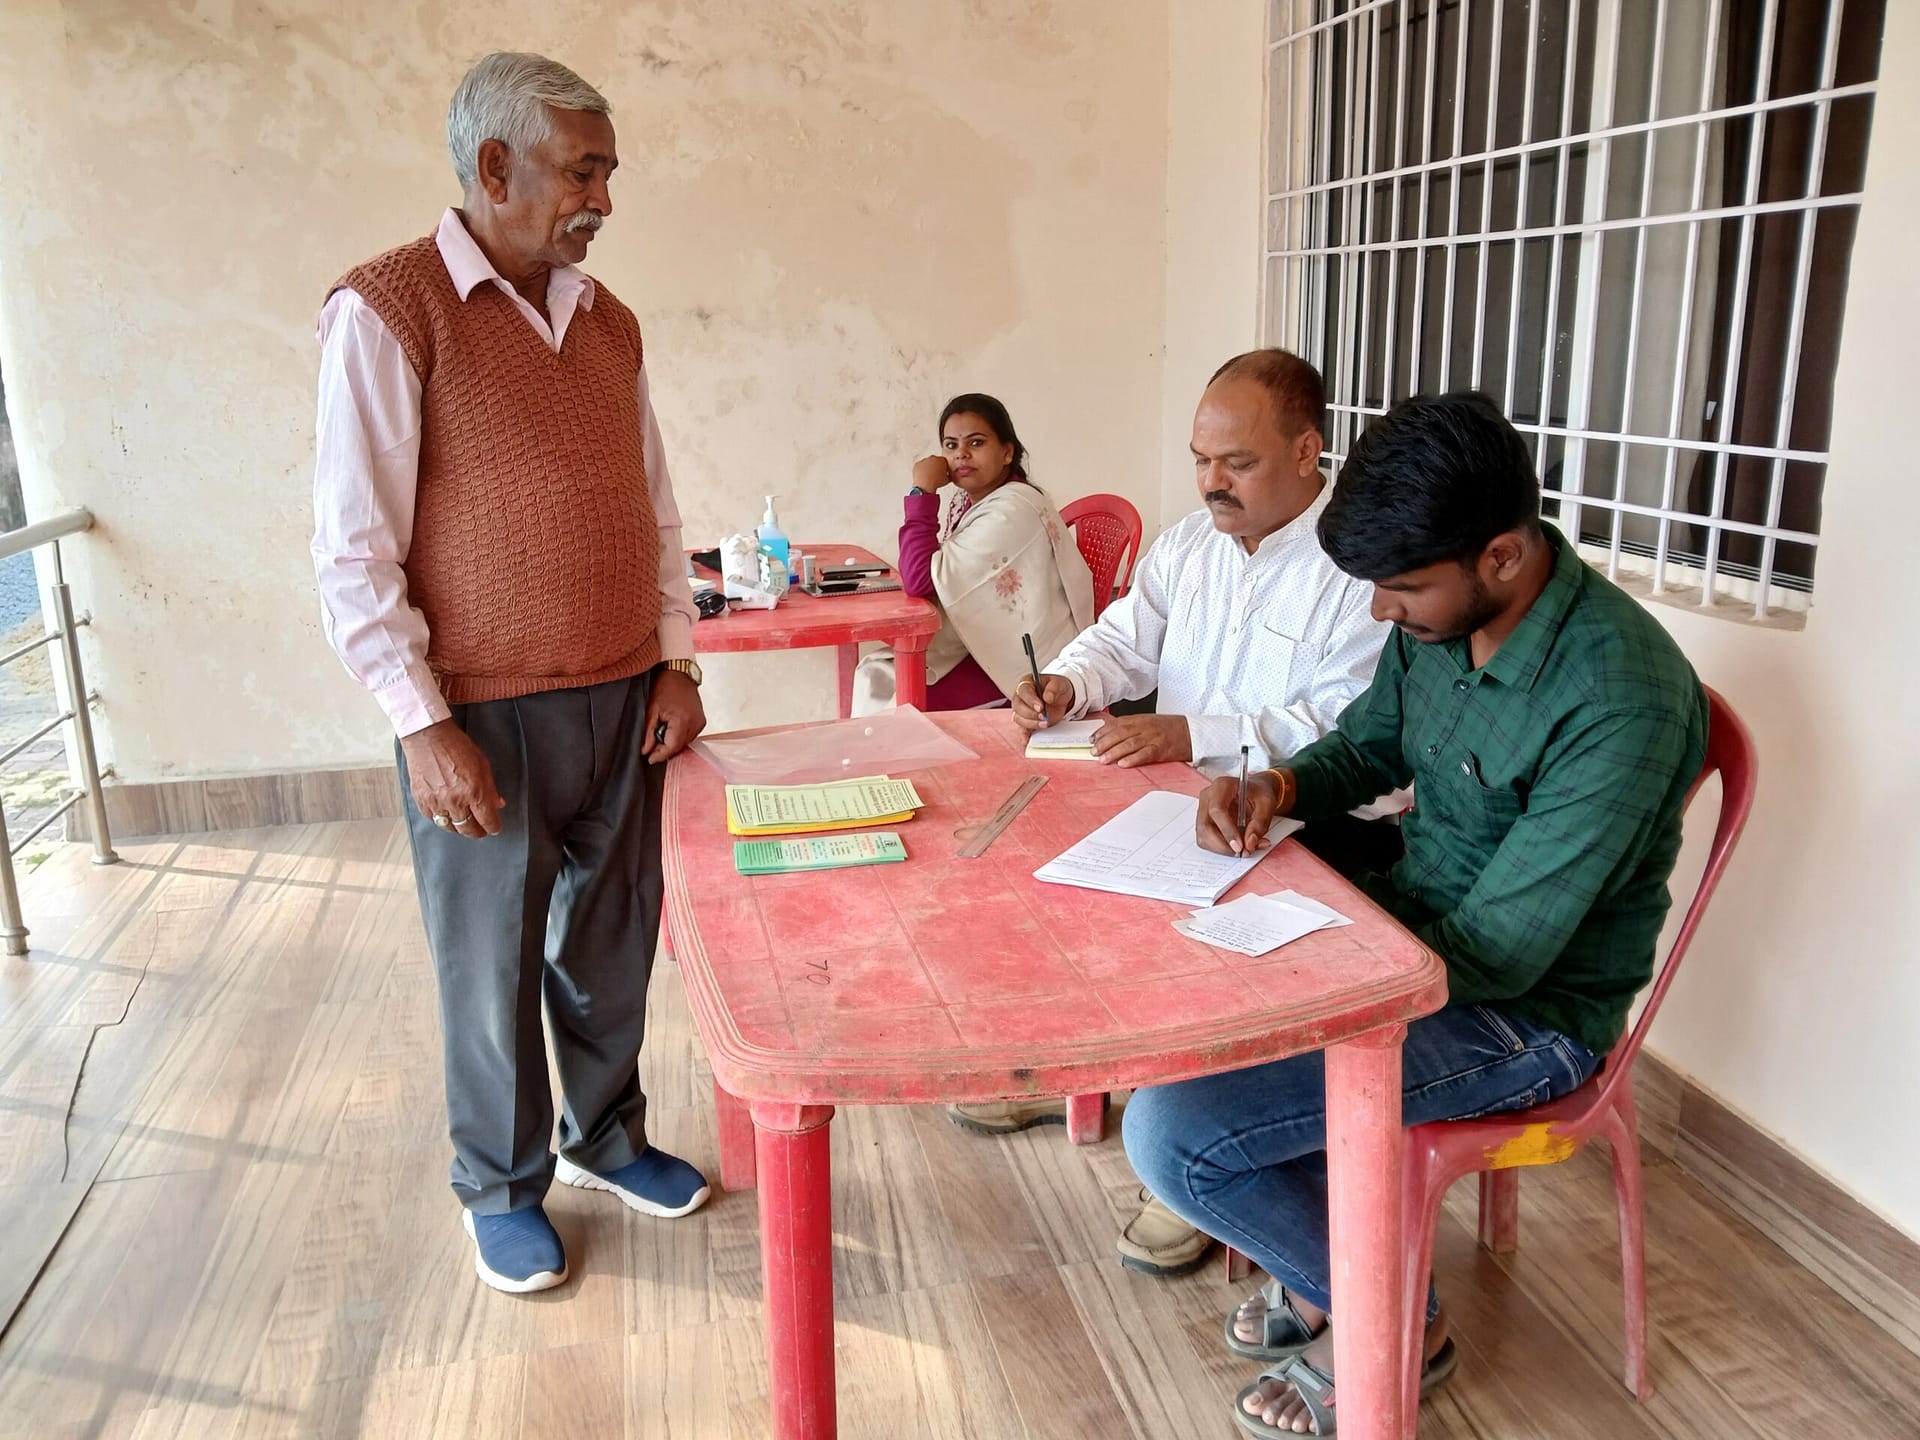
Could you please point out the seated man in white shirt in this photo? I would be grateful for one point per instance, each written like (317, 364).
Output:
(1250, 635)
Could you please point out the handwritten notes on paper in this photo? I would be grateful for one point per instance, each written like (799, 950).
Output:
(1148, 849)
(1256, 924)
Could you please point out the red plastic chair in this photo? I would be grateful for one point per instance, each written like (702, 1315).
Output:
(1106, 528)
(1496, 1146)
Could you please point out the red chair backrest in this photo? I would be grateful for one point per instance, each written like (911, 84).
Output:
(1106, 529)
(1729, 752)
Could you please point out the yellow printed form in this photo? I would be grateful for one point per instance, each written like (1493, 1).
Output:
(841, 805)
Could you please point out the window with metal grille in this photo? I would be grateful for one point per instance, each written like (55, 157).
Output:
(1629, 221)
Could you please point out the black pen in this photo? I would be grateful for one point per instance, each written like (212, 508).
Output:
(660, 738)
(1033, 665)
(1243, 791)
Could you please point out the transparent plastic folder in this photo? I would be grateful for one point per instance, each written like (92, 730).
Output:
(890, 743)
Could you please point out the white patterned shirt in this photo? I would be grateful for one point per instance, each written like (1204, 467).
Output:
(1263, 650)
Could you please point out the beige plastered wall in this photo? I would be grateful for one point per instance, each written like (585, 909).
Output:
(1799, 1004)
(829, 217)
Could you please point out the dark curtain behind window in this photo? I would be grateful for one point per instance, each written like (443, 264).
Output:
(1765, 319)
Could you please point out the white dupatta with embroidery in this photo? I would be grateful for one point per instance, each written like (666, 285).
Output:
(1007, 568)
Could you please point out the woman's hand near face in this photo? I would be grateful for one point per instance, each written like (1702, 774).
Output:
(931, 473)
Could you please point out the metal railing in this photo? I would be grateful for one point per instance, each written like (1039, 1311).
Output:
(65, 634)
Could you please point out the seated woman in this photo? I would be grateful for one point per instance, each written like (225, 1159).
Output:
(1005, 567)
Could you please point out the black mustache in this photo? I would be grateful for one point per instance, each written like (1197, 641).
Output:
(1222, 497)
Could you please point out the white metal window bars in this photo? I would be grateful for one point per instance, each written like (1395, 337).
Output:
(1592, 292)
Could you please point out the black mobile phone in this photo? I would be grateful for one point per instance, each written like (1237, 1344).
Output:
(850, 572)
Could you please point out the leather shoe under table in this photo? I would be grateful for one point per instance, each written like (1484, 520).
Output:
(1159, 1242)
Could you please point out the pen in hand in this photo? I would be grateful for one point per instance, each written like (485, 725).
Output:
(1243, 791)
(1033, 666)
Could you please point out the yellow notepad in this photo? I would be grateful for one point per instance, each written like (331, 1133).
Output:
(1067, 740)
(839, 805)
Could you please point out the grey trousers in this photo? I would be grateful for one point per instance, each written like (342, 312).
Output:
(562, 905)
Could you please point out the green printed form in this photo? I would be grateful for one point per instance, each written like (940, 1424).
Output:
(827, 852)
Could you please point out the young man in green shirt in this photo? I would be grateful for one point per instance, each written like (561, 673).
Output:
(1550, 728)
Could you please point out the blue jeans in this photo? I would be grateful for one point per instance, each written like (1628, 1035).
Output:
(1242, 1156)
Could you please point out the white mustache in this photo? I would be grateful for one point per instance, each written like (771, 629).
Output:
(584, 220)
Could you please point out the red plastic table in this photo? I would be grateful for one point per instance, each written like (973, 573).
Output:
(801, 621)
(947, 979)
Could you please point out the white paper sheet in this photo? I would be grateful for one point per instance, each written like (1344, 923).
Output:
(1256, 924)
(1148, 849)
(1333, 917)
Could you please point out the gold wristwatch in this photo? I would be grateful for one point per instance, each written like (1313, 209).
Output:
(688, 668)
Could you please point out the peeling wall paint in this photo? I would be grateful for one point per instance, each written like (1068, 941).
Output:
(829, 217)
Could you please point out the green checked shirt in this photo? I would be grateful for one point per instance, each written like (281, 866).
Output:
(1548, 786)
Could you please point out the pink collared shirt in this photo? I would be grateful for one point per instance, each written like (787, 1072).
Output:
(366, 474)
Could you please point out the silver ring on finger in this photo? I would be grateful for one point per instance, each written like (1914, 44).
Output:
(443, 822)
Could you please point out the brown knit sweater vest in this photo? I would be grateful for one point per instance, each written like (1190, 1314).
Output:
(536, 554)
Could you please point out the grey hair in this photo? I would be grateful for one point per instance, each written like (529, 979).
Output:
(505, 97)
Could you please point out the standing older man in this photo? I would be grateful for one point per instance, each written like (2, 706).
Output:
(498, 554)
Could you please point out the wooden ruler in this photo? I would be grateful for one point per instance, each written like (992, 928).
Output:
(979, 837)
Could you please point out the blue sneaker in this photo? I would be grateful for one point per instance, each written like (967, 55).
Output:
(518, 1252)
(656, 1184)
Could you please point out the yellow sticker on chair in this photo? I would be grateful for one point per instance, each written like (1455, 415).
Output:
(1535, 1145)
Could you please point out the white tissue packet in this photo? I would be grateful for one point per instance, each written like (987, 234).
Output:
(740, 571)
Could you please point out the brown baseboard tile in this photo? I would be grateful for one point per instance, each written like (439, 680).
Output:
(247, 802)
(1861, 1256)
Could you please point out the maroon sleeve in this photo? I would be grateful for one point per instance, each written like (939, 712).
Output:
(919, 538)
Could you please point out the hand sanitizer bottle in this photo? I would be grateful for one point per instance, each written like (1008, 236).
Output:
(772, 538)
